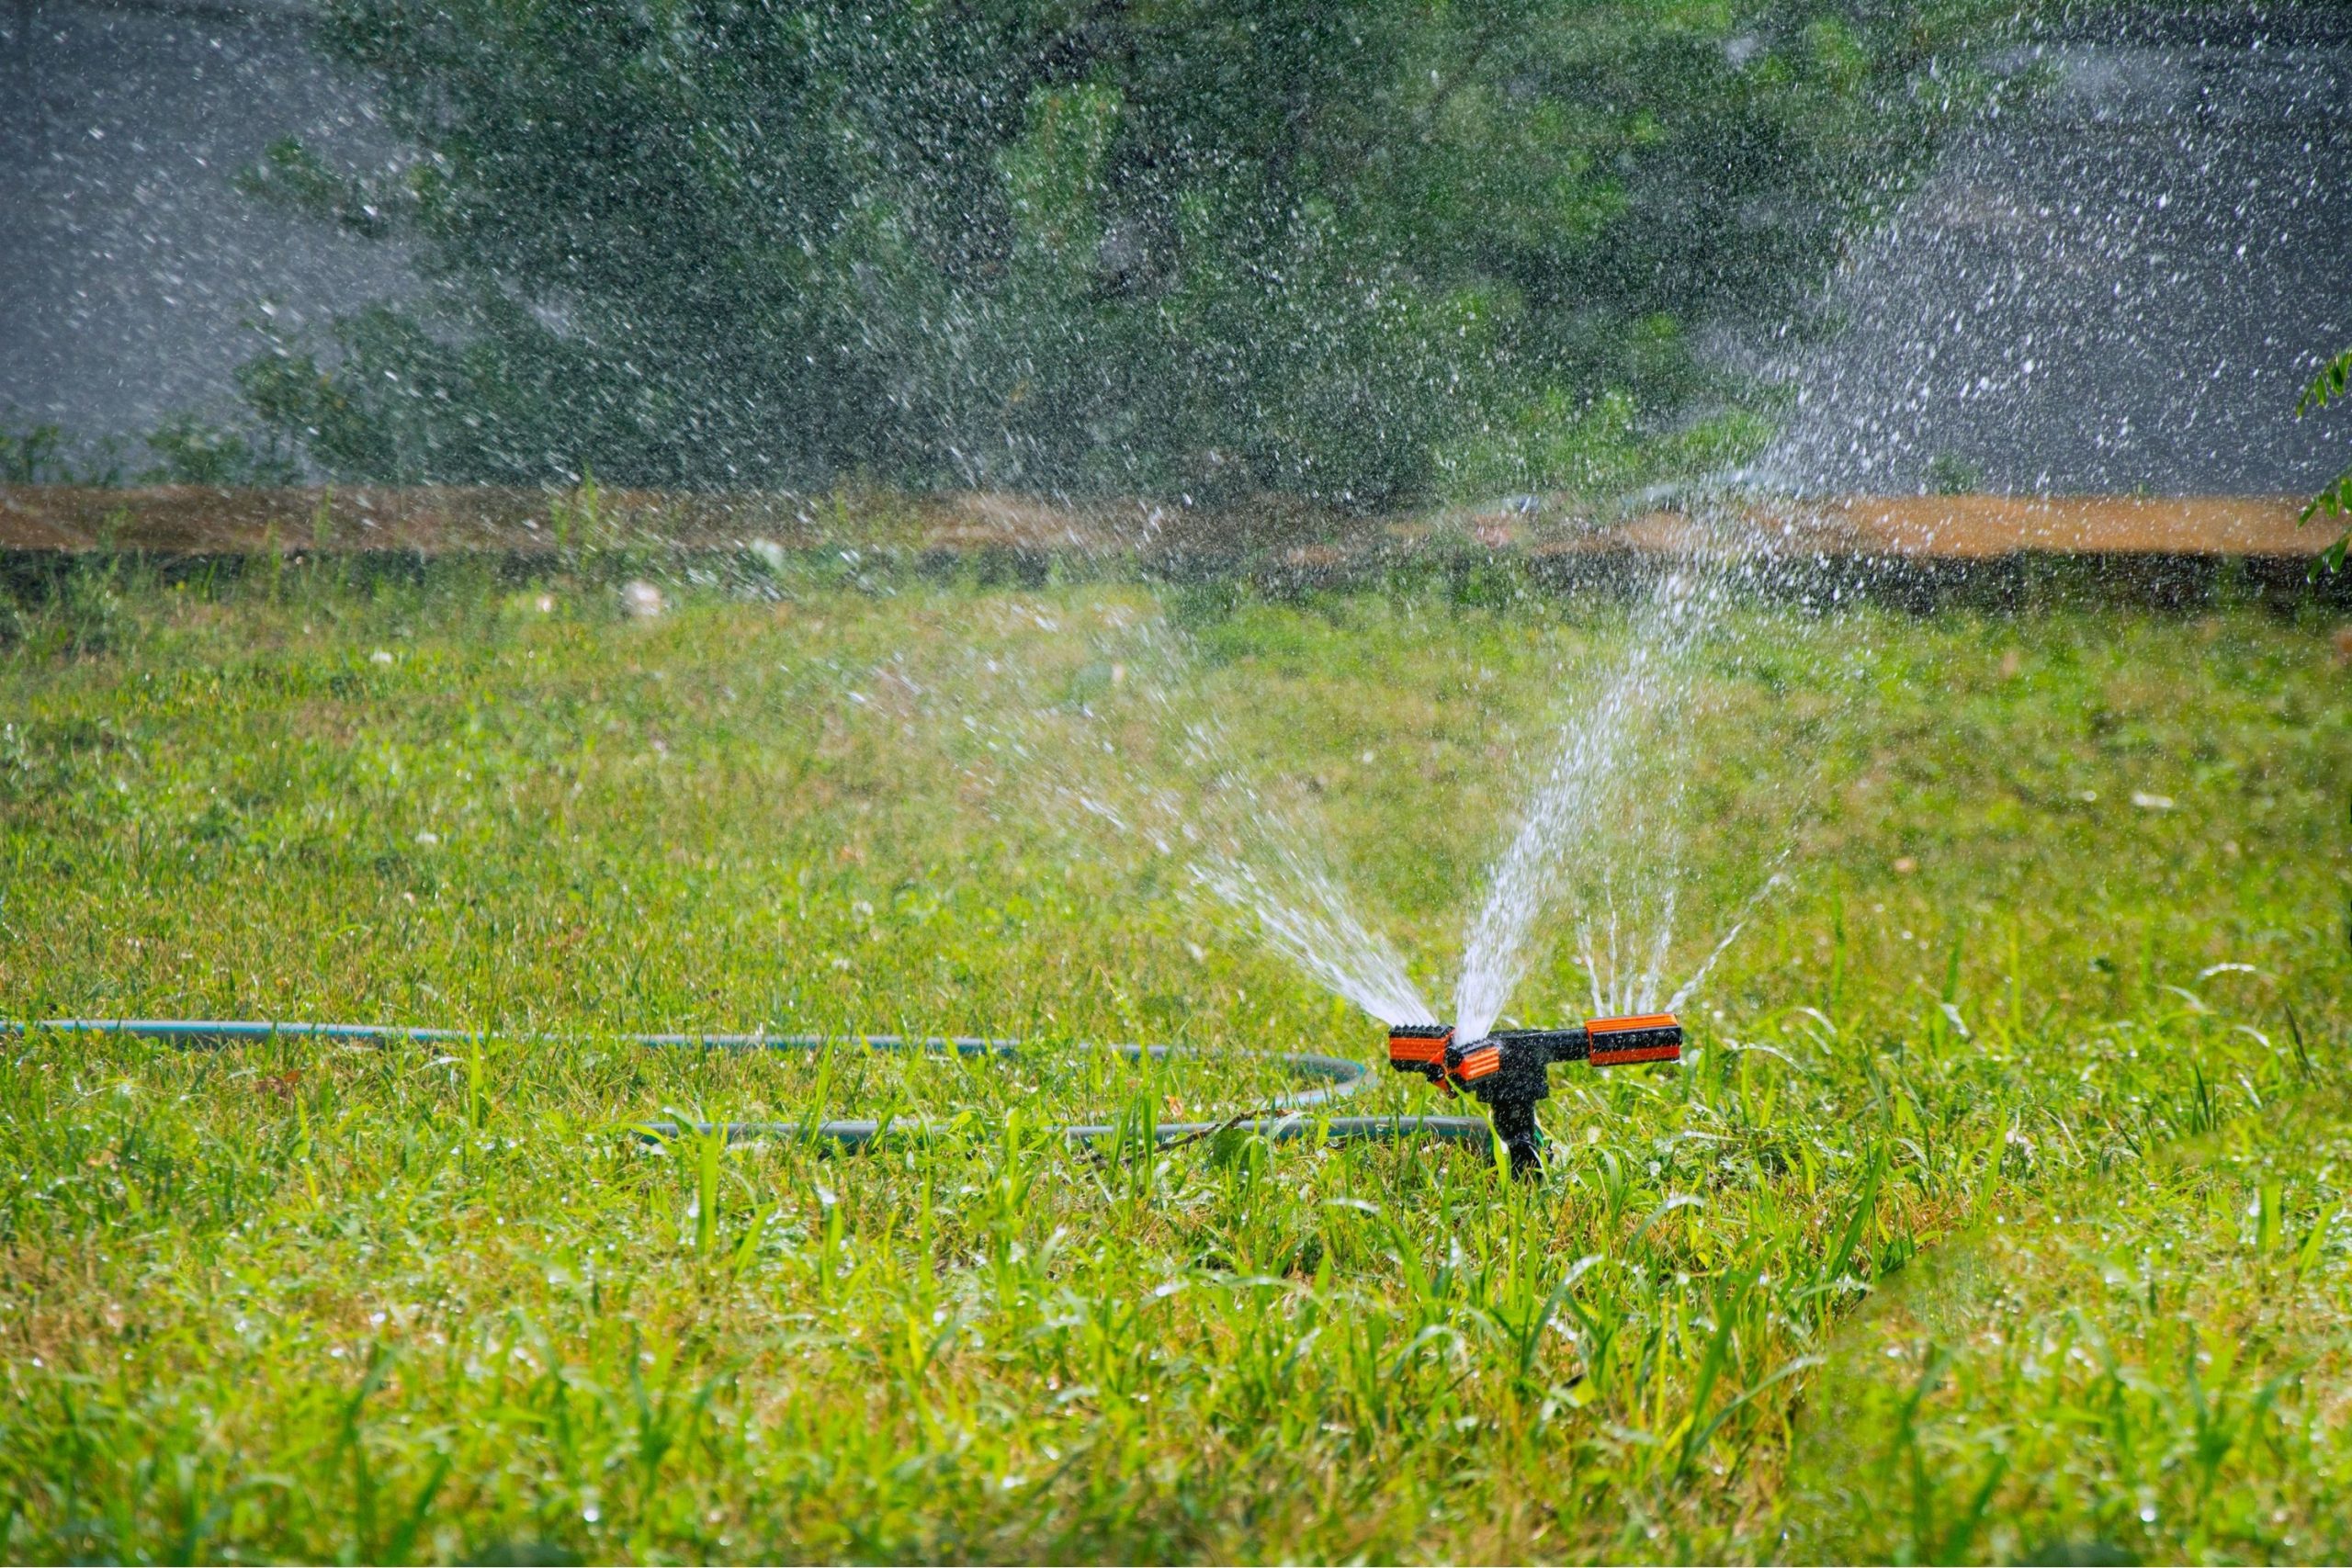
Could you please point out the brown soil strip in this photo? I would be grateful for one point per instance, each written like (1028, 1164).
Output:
(435, 520)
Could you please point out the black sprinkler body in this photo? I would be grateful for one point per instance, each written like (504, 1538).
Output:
(1509, 1070)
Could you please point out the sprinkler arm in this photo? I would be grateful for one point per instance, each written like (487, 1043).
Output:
(1509, 1070)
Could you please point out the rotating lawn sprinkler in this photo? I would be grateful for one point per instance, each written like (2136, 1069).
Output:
(1509, 1070)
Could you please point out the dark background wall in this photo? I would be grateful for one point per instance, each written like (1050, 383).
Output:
(2119, 289)
(129, 266)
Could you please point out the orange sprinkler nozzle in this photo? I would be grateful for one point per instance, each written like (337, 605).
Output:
(1417, 1042)
(1420, 1048)
(1621, 1042)
(1482, 1061)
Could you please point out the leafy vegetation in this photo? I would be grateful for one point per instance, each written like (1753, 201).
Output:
(40, 454)
(2009, 1026)
(1365, 253)
(2335, 500)
(192, 452)
(188, 450)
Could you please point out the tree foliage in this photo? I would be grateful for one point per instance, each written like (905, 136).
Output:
(1365, 251)
(2335, 500)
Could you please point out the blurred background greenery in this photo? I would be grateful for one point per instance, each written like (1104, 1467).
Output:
(1368, 254)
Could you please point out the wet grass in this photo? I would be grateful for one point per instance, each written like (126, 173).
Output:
(2034, 1087)
(2139, 1366)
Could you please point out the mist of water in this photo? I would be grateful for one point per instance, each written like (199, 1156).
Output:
(1591, 766)
(1598, 846)
(1306, 914)
(1251, 853)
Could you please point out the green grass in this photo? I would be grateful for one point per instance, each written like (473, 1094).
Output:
(1997, 1211)
(2143, 1367)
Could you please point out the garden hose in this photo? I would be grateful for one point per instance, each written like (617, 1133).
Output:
(1283, 1118)
(1508, 1071)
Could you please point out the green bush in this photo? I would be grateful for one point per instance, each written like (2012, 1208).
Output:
(41, 455)
(190, 452)
(1366, 253)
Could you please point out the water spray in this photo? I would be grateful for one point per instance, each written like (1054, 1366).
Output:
(1510, 1070)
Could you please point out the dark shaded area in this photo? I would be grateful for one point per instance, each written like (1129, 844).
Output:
(130, 267)
(2122, 288)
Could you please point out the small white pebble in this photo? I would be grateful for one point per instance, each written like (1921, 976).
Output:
(642, 600)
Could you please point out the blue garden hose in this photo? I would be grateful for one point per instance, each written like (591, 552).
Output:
(1280, 1121)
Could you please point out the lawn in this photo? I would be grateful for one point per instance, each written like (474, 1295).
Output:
(1997, 1209)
